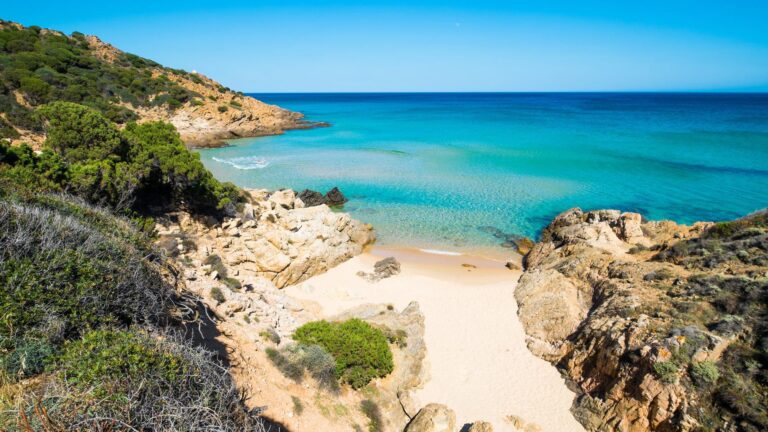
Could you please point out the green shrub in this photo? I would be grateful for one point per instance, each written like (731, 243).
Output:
(372, 411)
(294, 361)
(27, 358)
(222, 108)
(139, 381)
(103, 354)
(270, 335)
(298, 407)
(232, 283)
(704, 373)
(361, 351)
(666, 371)
(216, 264)
(65, 264)
(143, 167)
(217, 295)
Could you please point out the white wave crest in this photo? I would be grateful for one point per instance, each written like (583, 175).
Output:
(441, 252)
(245, 163)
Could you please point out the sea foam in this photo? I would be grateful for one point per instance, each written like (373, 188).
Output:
(245, 163)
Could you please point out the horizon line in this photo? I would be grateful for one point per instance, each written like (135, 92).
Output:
(713, 92)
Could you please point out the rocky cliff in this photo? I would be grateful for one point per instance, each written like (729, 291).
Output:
(42, 66)
(659, 326)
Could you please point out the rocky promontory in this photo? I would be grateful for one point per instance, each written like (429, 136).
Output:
(659, 326)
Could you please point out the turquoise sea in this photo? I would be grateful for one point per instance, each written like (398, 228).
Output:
(436, 170)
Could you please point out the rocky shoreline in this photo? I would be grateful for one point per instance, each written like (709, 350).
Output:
(617, 304)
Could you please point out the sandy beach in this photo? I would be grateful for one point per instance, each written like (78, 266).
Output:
(477, 359)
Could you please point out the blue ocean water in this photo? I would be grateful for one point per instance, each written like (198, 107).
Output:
(430, 170)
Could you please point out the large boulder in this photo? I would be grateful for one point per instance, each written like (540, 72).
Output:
(311, 198)
(334, 197)
(433, 418)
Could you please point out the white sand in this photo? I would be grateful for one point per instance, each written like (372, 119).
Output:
(478, 362)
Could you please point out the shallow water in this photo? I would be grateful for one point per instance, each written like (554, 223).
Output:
(431, 170)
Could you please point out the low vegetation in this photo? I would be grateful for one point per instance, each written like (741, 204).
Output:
(360, 351)
(297, 361)
(726, 294)
(89, 336)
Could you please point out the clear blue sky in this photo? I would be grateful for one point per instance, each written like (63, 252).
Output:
(396, 45)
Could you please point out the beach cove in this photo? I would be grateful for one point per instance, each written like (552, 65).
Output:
(477, 361)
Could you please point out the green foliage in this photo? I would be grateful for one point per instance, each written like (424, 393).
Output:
(294, 361)
(102, 354)
(222, 108)
(144, 167)
(360, 350)
(666, 371)
(47, 66)
(81, 134)
(217, 295)
(298, 407)
(73, 280)
(704, 373)
(27, 358)
(61, 274)
(270, 335)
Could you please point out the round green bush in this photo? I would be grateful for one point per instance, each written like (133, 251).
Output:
(360, 350)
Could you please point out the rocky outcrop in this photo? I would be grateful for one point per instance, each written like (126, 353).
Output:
(381, 270)
(616, 302)
(274, 238)
(333, 198)
(433, 418)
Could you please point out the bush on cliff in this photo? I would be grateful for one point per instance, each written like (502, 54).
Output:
(76, 285)
(46, 66)
(143, 167)
(360, 350)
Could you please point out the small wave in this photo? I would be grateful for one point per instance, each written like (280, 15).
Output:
(245, 163)
(441, 252)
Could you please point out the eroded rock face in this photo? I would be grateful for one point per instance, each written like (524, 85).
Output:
(599, 298)
(433, 418)
(275, 238)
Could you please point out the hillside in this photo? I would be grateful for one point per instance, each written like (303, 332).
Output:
(38, 66)
(660, 326)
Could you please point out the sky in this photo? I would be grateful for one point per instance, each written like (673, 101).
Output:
(449, 45)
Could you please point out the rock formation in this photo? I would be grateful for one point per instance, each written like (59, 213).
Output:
(275, 238)
(333, 198)
(433, 418)
(382, 270)
(631, 312)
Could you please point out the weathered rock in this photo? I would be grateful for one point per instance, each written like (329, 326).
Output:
(578, 302)
(284, 198)
(524, 245)
(334, 197)
(433, 418)
(381, 270)
(480, 426)
(311, 198)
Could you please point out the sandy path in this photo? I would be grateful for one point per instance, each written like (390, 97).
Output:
(477, 358)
